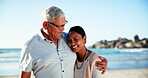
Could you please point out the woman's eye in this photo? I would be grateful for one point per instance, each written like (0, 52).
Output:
(69, 41)
(75, 39)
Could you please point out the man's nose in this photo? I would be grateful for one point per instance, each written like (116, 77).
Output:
(61, 28)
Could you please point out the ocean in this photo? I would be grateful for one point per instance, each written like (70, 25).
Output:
(118, 59)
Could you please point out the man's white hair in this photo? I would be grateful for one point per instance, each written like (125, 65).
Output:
(50, 13)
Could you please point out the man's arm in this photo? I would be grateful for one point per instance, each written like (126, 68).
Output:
(102, 65)
(25, 74)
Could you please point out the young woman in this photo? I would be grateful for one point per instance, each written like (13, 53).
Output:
(85, 63)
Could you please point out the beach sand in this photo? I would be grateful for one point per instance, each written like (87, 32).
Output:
(132, 73)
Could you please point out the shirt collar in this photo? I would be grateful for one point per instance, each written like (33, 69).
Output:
(41, 37)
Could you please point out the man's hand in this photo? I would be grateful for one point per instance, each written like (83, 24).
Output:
(102, 65)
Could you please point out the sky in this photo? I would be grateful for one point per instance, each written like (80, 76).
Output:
(101, 19)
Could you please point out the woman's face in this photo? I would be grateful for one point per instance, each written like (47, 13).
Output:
(76, 42)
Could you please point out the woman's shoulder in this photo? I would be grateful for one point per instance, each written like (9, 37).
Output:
(94, 54)
(94, 57)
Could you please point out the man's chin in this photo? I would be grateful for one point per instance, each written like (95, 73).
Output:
(59, 37)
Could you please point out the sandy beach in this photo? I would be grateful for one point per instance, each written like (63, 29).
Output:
(132, 73)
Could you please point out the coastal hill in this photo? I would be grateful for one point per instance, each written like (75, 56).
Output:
(122, 43)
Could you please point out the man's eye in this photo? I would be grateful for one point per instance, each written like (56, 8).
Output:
(62, 25)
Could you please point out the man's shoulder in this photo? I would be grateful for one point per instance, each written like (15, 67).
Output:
(32, 39)
(28, 44)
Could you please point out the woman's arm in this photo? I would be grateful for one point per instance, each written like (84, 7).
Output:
(102, 65)
(25, 74)
(96, 73)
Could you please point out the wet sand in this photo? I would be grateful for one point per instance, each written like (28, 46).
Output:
(132, 73)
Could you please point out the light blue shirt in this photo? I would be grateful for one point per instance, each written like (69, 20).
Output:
(46, 60)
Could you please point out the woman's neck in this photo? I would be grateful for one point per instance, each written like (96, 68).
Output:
(81, 55)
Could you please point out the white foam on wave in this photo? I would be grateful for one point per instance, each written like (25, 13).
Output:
(134, 50)
(128, 59)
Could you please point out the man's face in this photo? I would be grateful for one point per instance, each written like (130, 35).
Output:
(56, 28)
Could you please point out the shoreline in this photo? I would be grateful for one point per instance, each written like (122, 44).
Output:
(128, 73)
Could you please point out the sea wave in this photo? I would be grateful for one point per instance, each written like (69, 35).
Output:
(9, 55)
(127, 59)
(2, 60)
(134, 50)
(10, 50)
(9, 58)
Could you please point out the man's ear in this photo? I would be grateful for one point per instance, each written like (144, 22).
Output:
(45, 24)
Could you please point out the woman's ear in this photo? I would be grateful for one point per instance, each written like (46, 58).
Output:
(45, 24)
(84, 38)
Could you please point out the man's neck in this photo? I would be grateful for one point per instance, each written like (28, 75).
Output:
(55, 41)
